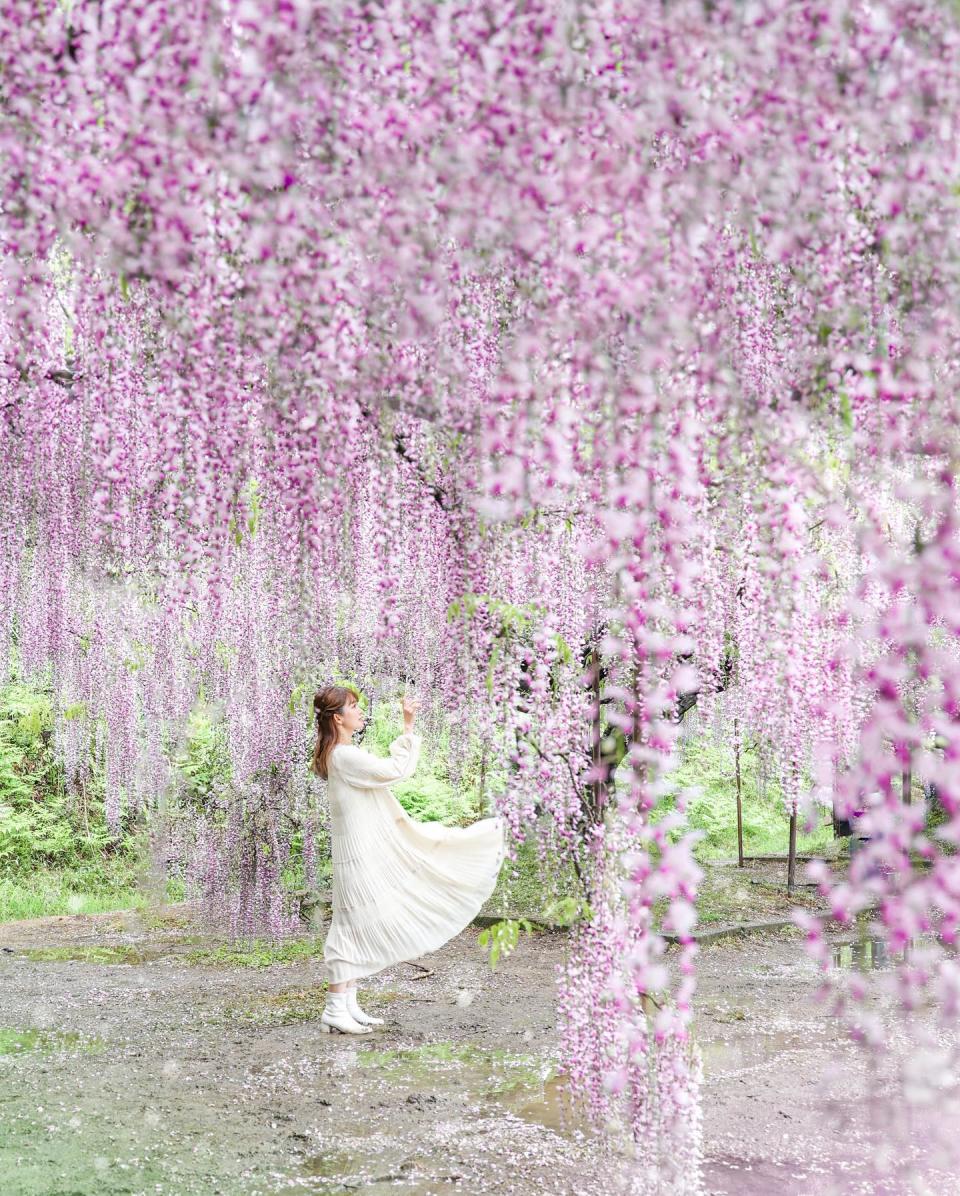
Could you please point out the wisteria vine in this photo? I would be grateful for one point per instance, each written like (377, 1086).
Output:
(567, 359)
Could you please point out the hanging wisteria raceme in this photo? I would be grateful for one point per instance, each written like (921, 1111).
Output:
(656, 607)
(546, 359)
(905, 876)
(781, 675)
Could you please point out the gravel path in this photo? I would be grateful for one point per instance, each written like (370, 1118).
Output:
(166, 1077)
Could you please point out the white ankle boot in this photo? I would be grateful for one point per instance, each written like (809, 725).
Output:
(357, 1013)
(336, 1016)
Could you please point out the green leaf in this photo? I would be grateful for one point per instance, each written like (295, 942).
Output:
(494, 656)
(253, 505)
(224, 652)
(566, 654)
(846, 411)
(502, 937)
(562, 910)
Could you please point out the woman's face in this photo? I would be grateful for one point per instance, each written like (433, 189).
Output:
(351, 718)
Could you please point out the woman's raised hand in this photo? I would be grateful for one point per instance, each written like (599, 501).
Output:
(410, 706)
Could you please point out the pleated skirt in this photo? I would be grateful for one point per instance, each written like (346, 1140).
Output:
(407, 890)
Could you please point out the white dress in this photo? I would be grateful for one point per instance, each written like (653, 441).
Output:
(401, 888)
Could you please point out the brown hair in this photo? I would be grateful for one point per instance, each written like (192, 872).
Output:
(326, 703)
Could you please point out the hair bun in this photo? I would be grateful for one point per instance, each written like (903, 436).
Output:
(325, 701)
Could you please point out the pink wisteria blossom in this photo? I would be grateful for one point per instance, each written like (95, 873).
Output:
(565, 360)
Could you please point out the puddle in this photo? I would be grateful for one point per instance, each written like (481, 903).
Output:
(868, 955)
(341, 1171)
(389, 1185)
(725, 1059)
(549, 1105)
(460, 1065)
(424, 1187)
(156, 920)
(413, 1187)
(339, 1164)
(729, 1176)
(292, 1006)
(21, 1042)
(287, 1008)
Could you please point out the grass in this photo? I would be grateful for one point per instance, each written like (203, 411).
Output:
(50, 891)
(163, 919)
(728, 895)
(46, 892)
(706, 771)
(529, 891)
(258, 953)
(85, 954)
(19, 1042)
(114, 880)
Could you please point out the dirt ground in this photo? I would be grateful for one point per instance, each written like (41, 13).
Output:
(163, 1076)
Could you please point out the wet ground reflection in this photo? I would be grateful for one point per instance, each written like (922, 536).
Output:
(867, 955)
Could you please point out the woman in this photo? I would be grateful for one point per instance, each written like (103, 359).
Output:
(401, 888)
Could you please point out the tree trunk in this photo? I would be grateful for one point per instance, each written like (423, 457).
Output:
(792, 853)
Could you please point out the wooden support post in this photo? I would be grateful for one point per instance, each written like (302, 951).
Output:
(792, 853)
(736, 757)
